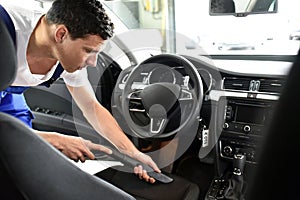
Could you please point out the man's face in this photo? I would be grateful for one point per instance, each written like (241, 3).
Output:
(79, 53)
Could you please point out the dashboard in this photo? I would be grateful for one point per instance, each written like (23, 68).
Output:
(246, 97)
(239, 97)
(250, 98)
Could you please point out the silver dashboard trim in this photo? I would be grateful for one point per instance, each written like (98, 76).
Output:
(215, 95)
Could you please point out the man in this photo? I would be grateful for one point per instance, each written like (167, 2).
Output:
(69, 36)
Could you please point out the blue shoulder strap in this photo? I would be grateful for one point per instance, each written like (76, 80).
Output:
(59, 69)
(20, 89)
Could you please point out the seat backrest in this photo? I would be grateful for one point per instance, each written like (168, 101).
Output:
(30, 168)
(277, 174)
(7, 58)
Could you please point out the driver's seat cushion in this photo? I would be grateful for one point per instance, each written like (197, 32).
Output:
(179, 189)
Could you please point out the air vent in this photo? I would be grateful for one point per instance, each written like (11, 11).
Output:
(233, 83)
(271, 85)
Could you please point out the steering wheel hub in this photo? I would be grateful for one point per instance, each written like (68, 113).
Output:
(164, 94)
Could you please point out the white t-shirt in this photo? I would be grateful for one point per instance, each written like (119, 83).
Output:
(25, 21)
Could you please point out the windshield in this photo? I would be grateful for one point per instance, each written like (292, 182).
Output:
(197, 27)
(189, 27)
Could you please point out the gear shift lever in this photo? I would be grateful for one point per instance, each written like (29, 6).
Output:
(238, 164)
(236, 187)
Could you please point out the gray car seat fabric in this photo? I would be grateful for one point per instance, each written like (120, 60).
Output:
(30, 168)
(39, 171)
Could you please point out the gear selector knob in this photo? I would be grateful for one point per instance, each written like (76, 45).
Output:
(238, 164)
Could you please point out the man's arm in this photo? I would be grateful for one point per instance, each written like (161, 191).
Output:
(76, 148)
(105, 124)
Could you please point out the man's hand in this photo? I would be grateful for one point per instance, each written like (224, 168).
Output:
(139, 169)
(76, 148)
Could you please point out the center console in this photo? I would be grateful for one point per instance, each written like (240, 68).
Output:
(245, 121)
(244, 124)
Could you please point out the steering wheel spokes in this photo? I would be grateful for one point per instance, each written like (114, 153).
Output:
(185, 95)
(157, 125)
(158, 119)
(134, 95)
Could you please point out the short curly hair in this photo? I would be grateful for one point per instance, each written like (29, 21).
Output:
(81, 17)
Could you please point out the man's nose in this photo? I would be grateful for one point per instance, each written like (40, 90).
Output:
(92, 60)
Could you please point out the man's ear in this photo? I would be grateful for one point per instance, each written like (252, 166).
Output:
(61, 33)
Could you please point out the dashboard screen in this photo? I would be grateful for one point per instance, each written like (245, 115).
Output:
(250, 114)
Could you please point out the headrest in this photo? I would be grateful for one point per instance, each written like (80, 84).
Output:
(7, 58)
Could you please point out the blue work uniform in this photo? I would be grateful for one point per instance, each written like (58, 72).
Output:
(12, 99)
(15, 104)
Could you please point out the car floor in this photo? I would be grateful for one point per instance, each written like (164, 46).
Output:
(197, 172)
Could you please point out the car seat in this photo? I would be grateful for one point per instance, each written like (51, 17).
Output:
(277, 174)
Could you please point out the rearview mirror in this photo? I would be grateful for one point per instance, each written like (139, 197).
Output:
(241, 8)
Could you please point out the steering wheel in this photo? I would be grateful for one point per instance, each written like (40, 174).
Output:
(169, 90)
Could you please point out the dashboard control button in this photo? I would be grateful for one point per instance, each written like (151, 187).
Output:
(225, 125)
(247, 128)
(227, 150)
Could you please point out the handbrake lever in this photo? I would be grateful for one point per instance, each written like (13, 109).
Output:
(133, 163)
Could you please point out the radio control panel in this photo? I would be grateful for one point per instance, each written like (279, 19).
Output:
(228, 148)
(247, 117)
(244, 124)
(243, 128)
